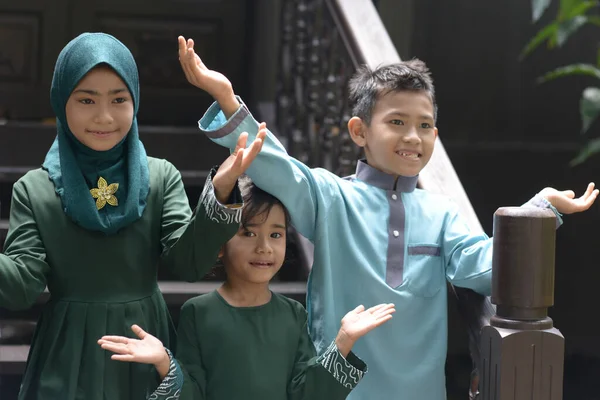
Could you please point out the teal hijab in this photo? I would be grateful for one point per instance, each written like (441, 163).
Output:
(74, 168)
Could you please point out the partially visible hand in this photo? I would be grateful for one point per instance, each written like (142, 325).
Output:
(565, 201)
(359, 322)
(198, 74)
(237, 163)
(148, 350)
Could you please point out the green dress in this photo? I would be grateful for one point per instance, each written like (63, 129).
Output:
(254, 353)
(102, 284)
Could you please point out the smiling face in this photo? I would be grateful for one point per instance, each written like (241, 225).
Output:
(257, 251)
(100, 109)
(401, 136)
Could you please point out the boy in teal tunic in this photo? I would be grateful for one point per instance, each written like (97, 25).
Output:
(244, 342)
(378, 239)
(92, 225)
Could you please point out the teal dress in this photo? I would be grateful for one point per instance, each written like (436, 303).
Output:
(102, 284)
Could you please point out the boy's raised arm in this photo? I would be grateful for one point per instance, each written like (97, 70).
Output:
(302, 190)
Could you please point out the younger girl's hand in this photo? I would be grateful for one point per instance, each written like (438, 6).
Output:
(359, 322)
(237, 163)
(147, 350)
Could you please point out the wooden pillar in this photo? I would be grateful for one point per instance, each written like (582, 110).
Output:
(522, 352)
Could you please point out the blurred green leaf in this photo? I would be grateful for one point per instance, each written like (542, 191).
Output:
(538, 7)
(570, 70)
(594, 20)
(569, 27)
(591, 148)
(578, 9)
(589, 107)
(547, 32)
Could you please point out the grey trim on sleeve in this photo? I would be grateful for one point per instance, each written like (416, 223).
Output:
(228, 127)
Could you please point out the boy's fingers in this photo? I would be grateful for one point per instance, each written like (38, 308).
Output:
(569, 193)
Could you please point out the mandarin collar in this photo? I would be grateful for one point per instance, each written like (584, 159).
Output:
(375, 177)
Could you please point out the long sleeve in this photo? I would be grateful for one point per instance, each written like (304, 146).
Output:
(188, 355)
(191, 243)
(170, 387)
(327, 377)
(23, 267)
(304, 191)
(468, 256)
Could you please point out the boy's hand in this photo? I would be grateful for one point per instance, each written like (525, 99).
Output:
(359, 322)
(237, 163)
(213, 82)
(148, 350)
(565, 201)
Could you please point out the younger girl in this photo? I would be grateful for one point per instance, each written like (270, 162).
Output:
(92, 224)
(244, 341)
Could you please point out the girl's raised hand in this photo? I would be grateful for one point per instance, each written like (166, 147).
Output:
(359, 322)
(237, 163)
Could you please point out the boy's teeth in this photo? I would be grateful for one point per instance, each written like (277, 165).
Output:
(413, 155)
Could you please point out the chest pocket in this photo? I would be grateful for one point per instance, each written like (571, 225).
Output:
(424, 269)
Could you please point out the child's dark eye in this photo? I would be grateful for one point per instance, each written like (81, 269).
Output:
(425, 125)
(397, 122)
(86, 101)
(120, 100)
(248, 234)
(276, 235)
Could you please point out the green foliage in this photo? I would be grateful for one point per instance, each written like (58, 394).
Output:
(571, 16)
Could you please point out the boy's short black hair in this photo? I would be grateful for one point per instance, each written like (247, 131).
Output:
(367, 86)
(257, 202)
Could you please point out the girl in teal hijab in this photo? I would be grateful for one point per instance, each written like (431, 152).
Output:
(73, 166)
(93, 224)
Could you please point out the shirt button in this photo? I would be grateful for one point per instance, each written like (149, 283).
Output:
(396, 233)
(394, 197)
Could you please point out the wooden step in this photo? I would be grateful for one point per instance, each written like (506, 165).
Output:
(23, 146)
(13, 359)
(177, 293)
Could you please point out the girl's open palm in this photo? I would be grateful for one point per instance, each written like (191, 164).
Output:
(147, 350)
(359, 321)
